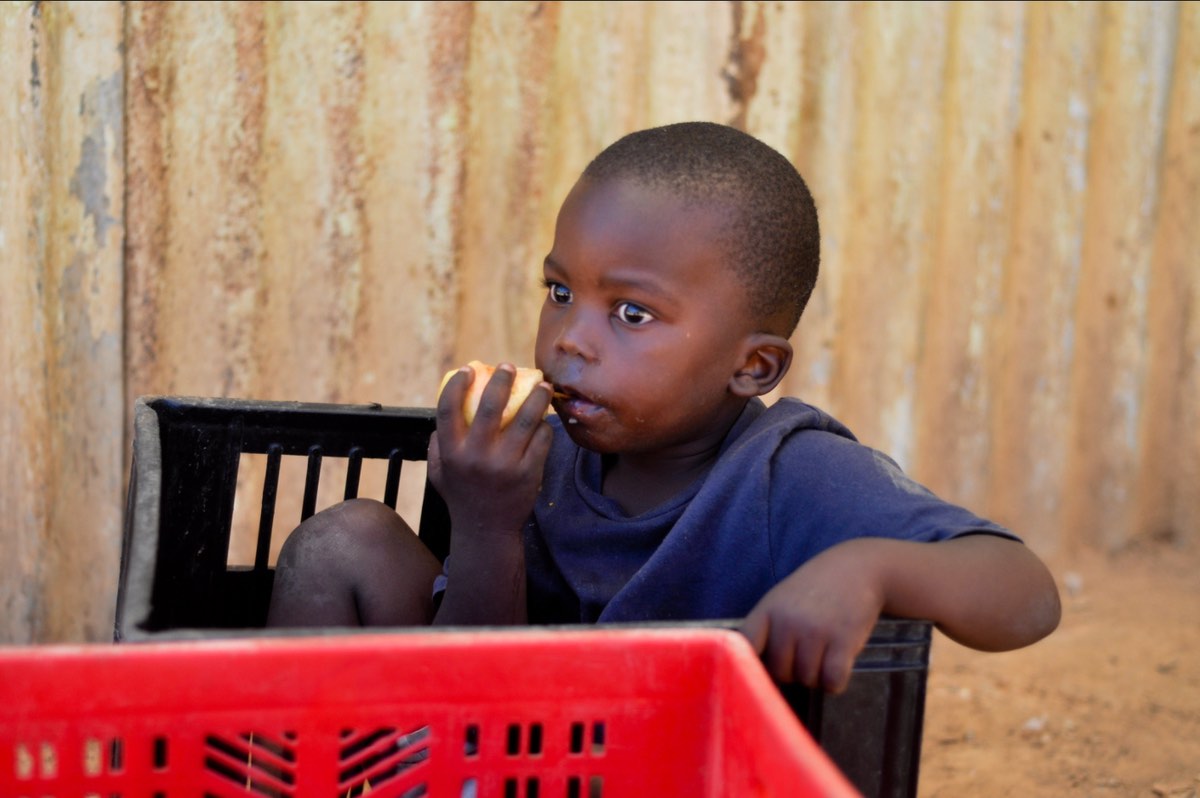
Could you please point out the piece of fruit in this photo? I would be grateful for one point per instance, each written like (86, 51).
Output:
(523, 384)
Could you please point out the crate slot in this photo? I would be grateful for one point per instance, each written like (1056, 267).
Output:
(255, 761)
(369, 759)
(576, 745)
(392, 484)
(353, 473)
(535, 739)
(266, 506)
(471, 741)
(48, 761)
(514, 739)
(22, 762)
(595, 787)
(266, 518)
(311, 482)
(598, 738)
(512, 787)
(159, 757)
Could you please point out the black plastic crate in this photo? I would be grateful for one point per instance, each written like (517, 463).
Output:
(176, 582)
(183, 480)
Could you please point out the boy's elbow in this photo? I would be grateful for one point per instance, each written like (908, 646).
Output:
(1018, 628)
(1045, 611)
(1021, 608)
(1044, 616)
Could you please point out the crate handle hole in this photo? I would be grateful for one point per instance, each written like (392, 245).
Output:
(598, 737)
(514, 739)
(535, 739)
(93, 762)
(22, 762)
(49, 760)
(116, 755)
(576, 738)
(160, 753)
(471, 743)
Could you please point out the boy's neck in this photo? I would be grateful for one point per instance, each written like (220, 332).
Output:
(640, 482)
(638, 486)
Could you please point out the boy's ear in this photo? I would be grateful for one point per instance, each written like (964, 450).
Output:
(766, 359)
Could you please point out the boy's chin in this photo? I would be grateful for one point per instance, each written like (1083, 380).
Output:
(585, 437)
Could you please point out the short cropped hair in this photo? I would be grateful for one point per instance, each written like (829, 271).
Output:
(773, 241)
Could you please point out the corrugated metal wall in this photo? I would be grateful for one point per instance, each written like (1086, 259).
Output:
(338, 201)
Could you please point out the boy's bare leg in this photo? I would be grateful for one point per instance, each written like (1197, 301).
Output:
(355, 564)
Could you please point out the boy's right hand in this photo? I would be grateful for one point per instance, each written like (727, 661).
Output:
(489, 474)
(811, 626)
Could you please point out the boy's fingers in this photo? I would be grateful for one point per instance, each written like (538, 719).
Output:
(539, 447)
(754, 627)
(534, 408)
(807, 662)
(838, 665)
(835, 671)
(495, 397)
(792, 658)
(434, 456)
(779, 650)
(449, 406)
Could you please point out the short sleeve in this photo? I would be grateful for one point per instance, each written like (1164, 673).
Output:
(826, 489)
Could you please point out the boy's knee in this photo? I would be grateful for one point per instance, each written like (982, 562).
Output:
(355, 517)
(356, 563)
(351, 528)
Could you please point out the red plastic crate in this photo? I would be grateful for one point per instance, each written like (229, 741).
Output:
(521, 714)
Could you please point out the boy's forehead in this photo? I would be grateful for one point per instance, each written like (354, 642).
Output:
(629, 205)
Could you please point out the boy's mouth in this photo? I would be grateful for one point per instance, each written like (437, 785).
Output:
(573, 406)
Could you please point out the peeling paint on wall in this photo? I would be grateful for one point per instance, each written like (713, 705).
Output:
(102, 106)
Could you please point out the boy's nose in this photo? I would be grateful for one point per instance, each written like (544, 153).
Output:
(576, 338)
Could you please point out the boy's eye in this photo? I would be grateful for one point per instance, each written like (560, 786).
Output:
(633, 314)
(559, 293)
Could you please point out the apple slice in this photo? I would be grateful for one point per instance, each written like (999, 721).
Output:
(523, 384)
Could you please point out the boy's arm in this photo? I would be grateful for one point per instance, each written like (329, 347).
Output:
(984, 591)
(489, 476)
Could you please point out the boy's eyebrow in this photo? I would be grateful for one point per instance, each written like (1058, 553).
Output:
(618, 280)
(641, 285)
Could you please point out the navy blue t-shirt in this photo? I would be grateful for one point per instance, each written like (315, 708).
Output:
(790, 482)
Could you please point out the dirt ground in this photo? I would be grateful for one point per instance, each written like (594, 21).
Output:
(1107, 706)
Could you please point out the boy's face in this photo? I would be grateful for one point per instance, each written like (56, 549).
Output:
(643, 324)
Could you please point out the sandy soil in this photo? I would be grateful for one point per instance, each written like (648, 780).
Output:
(1109, 705)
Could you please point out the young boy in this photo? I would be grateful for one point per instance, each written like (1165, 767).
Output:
(665, 489)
